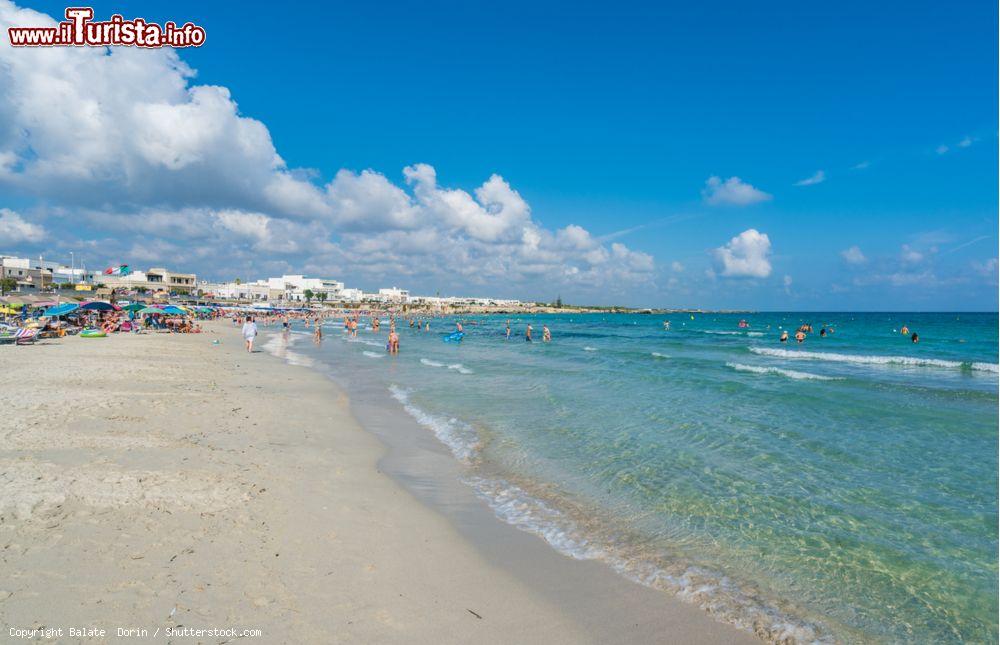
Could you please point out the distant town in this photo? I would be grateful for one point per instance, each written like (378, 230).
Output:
(27, 275)
(23, 274)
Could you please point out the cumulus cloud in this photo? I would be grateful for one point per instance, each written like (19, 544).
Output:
(853, 255)
(816, 178)
(746, 255)
(731, 192)
(676, 266)
(162, 169)
(14, 229)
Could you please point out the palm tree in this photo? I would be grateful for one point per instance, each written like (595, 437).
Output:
(308, 293)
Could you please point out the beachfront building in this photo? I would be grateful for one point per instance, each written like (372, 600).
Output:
(351, 295)
(34, 274)
(393, 295)
(155, 280)
(294, 287)
(258, 290)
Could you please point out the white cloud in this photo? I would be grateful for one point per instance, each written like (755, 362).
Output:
(861, 166)
(161, 169)
(987, 268)
(816, 178)
(676, 266)
(910, 255)
(746, 255)
(15, 230)
(787, 282)
(941, 149)
(853, 255)
(732, 192)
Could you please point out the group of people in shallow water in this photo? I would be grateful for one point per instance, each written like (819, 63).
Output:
(352, 322)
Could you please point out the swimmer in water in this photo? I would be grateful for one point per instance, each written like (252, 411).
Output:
(800, 336)
(508, 330)
(666, 325)
(527, 333)
(905, 330)
(914, 338)
(822, 332)
(784, 336)
(458, 327)
(546, 334)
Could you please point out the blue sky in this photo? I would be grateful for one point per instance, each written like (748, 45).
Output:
(606, 116)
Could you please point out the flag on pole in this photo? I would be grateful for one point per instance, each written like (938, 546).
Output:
(121, 269)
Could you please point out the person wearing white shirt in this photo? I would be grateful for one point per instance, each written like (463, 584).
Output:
(249, 332)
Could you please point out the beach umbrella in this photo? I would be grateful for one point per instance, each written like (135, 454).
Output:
(151, 310)
(99, 305)
(135, 306)
(172, 309)
(8, 311)
(61, 310)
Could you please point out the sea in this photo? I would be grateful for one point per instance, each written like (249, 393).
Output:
(843, 489)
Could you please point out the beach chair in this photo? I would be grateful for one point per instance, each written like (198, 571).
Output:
(25, 336)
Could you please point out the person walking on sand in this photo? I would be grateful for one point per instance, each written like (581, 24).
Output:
(249, 333)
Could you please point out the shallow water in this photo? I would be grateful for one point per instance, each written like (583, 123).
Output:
(842, 489)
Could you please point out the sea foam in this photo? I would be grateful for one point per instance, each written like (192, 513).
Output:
(459, 436)
(711, 591)
(756, 369)
(871, 360)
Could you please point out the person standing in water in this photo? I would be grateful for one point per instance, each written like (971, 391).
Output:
(546, 334)
(393, 345)
(914, 338)
(800, 336)
(527, 334)
(784, 336)
(508, 330)
(318, 334)
(249, 333)
(458, 327)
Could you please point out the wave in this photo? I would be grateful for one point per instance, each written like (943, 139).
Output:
(756, 369)
(461, 369)
(459, 436)
(590, 349)
(710, 591)
(280, 346)
(372, 354)
(659, 355)
(431, 363)
(872, 360)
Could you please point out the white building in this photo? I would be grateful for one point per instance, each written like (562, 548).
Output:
(393, 294)
(294, 287)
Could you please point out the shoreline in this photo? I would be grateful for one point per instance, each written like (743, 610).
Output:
(158, 480)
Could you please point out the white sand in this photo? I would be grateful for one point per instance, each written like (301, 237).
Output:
(159, 480)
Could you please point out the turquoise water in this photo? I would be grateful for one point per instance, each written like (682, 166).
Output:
(844, 489)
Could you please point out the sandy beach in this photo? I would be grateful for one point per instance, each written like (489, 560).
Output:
(159, 481)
